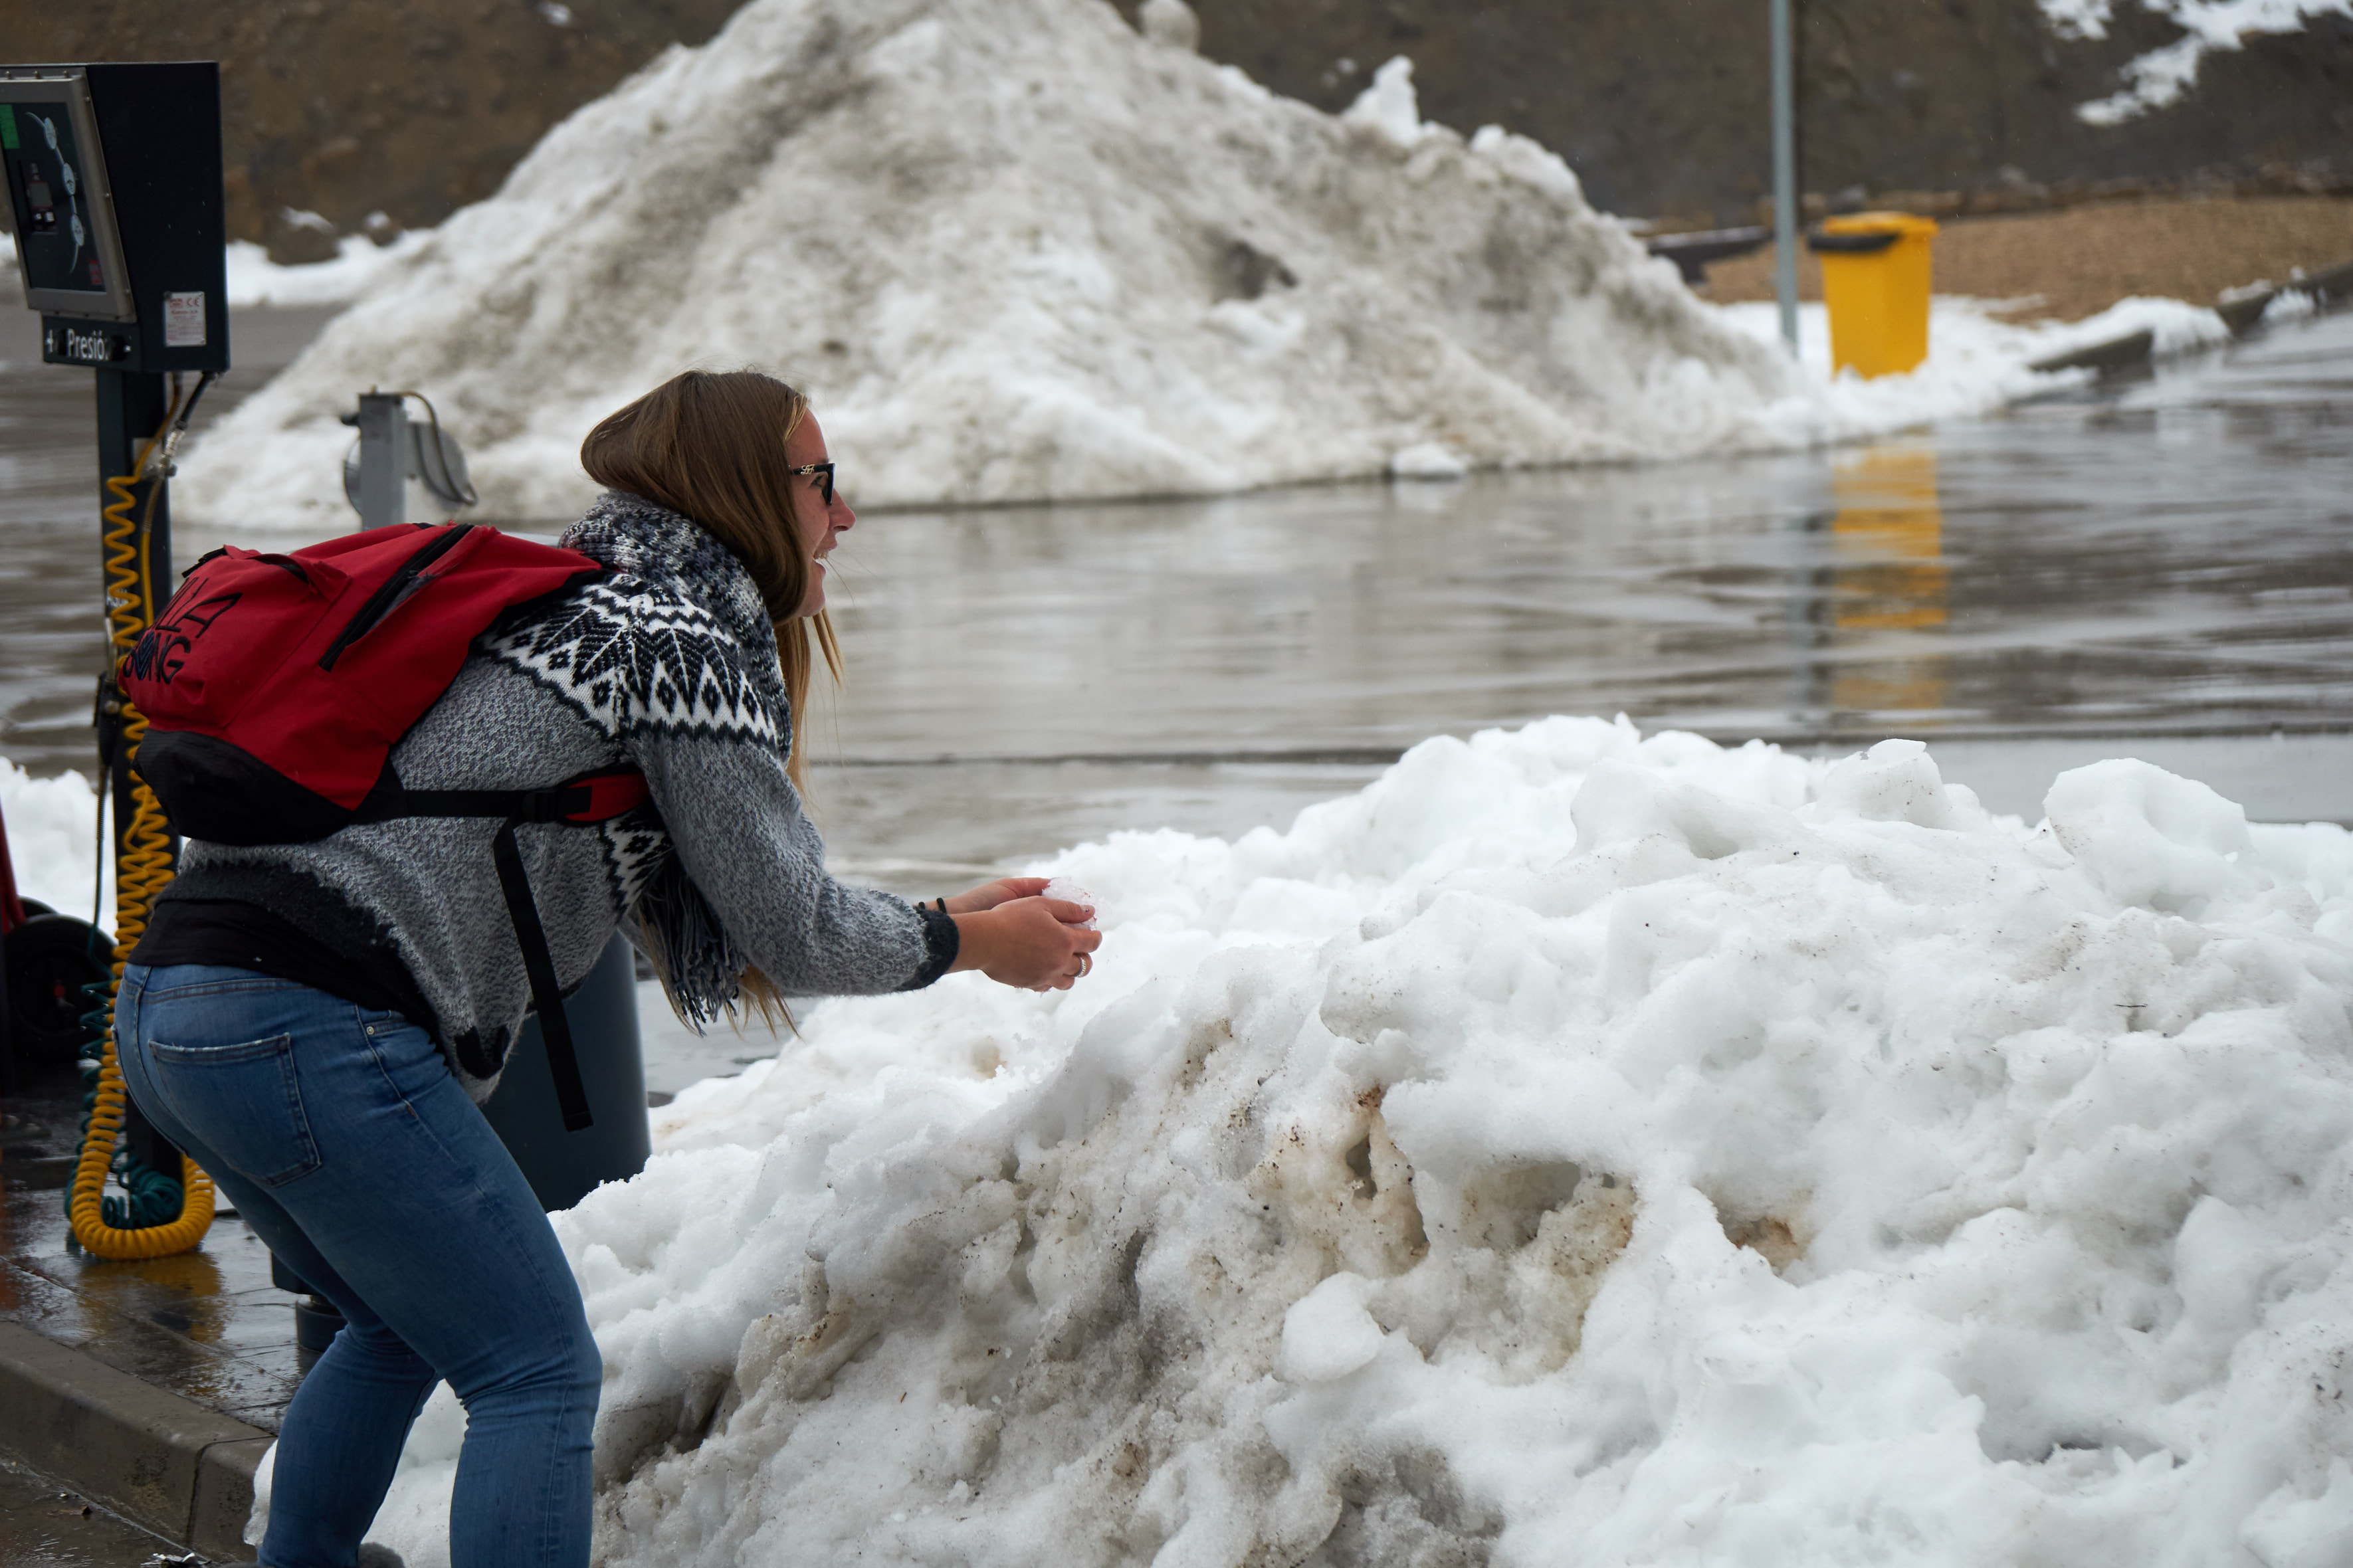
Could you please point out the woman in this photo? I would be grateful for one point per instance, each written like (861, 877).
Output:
(315, 1024)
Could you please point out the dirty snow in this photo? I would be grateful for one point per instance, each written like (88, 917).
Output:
(1576, 1148)
(359, 265)
(2161, 76)
(1017, 250)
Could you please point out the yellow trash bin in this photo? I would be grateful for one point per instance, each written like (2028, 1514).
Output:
(1875, 282)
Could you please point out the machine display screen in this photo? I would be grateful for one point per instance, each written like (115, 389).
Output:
(64, 221)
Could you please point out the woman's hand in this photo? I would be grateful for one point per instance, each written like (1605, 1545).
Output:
(1037, 944)
(1003, 891)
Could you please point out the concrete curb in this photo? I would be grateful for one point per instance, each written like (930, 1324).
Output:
(168, 1463)
(2117, 353)
(2241, 310)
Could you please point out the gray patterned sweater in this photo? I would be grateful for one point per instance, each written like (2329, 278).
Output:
(665, 663)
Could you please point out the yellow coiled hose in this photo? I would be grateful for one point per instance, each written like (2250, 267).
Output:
(142, 869)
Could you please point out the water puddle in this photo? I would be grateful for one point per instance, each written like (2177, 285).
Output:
(2159, 565)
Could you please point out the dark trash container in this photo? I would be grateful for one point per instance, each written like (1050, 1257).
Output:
(564, 1167)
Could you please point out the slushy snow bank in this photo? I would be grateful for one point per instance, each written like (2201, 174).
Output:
(1573, 1149)
(2161, 76)
(1017, 250)
(1975, 360)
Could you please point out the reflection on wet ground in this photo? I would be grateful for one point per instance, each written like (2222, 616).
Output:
(205, 1324)
(2072, 567)
(2158, 570)
(2165, 560)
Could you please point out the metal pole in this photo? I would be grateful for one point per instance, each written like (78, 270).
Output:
(384, 467)
(1785, 178)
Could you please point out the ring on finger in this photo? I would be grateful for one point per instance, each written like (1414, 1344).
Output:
(1086, 963)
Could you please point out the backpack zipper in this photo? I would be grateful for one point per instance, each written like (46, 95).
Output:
(395, 588)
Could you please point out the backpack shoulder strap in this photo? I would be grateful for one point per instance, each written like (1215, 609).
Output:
(581, 802)
(584, 801)
(547, 999)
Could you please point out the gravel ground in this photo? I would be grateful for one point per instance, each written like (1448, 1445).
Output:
(2080, 261)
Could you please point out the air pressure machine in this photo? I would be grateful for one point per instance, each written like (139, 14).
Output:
(114, 187)
(114, 181)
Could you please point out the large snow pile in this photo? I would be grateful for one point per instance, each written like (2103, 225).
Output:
(2161, 76)
(1016, 249)
(1573, 1149)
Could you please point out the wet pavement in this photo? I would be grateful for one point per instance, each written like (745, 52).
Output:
(2161, 558)
(2158, 568)
(44, 1525)
(206, 1324)
(2155, 568)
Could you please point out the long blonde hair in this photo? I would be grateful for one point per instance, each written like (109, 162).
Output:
(710, 446)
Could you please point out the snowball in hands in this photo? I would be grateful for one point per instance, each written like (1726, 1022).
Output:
(1063, 887)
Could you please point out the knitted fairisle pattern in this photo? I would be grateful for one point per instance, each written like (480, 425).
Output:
(676, 641)
(666, 664)
(678, 632)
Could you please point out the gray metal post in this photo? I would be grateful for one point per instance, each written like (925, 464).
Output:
(384, 460)
(1785, 178)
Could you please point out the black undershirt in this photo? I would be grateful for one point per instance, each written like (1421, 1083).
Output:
(246, 936)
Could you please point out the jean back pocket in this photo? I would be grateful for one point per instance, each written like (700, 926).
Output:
(245, 1101)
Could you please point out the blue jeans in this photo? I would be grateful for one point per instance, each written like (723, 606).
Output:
(345, 1143)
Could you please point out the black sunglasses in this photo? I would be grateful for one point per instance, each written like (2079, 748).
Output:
(824, 473)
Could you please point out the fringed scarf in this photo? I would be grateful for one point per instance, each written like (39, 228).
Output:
(699, 962)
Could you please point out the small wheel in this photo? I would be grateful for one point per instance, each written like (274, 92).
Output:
(50, 958)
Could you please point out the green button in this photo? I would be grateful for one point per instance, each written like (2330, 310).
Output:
(8, 126)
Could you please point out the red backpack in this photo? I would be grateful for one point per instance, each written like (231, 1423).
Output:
(274, 688)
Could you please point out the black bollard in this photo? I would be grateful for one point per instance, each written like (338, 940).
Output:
(564, 1167)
